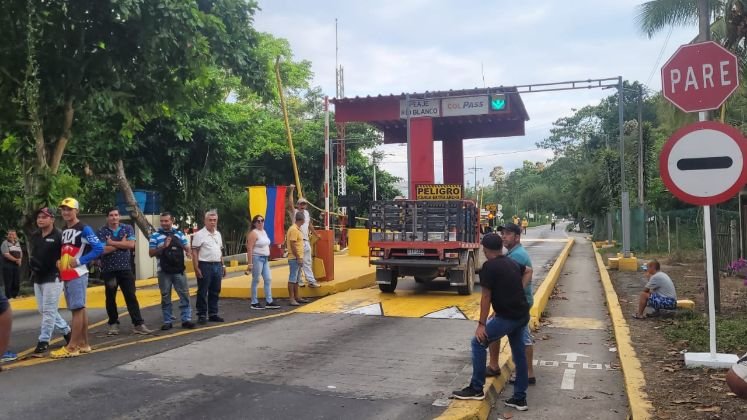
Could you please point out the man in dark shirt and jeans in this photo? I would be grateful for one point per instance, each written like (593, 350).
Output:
(116, 270)
(502, 287)
(46, 244)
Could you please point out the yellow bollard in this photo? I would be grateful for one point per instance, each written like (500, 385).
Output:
(358, 242)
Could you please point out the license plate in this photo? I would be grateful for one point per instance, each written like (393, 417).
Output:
(416, 252)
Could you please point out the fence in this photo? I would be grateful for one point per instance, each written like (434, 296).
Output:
(674, 231)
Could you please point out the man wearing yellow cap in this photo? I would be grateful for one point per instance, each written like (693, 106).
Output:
(80, 246)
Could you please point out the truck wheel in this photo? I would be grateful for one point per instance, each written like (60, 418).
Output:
(389, 288)
(469, 273)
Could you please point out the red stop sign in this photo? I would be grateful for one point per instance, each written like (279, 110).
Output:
(699, 77)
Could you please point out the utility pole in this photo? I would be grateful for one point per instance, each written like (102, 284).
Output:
(624, 204)
(640, 146)
(475, 168)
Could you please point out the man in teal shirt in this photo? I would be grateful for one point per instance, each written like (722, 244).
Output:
(511, 234)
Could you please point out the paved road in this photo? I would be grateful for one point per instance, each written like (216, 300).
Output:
(294, 365)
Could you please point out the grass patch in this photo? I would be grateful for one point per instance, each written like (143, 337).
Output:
(731, 331)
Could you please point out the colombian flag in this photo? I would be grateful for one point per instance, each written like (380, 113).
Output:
(269, 202)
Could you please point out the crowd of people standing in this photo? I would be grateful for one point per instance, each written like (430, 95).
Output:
(59, 261)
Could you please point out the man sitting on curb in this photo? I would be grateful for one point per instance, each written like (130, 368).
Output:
(658, 293)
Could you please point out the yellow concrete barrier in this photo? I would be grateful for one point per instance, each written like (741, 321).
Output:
(544, 291)
(635, 382)
(358, 242)
(685, 304)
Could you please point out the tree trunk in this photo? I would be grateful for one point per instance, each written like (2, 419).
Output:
(134, 210)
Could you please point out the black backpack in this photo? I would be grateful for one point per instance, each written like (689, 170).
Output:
(172, 257)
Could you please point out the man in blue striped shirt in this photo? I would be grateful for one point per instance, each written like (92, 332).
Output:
(170, 246)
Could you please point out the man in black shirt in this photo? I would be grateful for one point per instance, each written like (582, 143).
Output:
(46, 244)
(502, 287)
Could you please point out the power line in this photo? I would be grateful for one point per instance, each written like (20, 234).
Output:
(661, 54)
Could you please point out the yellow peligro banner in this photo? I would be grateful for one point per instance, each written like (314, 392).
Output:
(258, 201)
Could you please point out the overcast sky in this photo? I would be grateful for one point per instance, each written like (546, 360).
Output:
(394, 46)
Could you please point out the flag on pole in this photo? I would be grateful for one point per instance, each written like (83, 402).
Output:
(269, 202)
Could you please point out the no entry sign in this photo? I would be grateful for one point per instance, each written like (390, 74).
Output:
(699, 77)
(704, 163)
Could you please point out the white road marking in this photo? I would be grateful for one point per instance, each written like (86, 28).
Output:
(452, 312)
(372, 309)
(572, 357)
(569, 379)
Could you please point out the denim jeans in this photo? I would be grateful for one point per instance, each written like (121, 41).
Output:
(179, 282)
(294, 273)
(208, 288)
(308, 272)
(496, 328)
(48, 301)
(261, 266)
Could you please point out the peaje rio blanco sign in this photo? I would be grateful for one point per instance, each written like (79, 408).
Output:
(456, 106)
(438, 192)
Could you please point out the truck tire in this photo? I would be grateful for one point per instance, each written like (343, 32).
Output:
(469, 273)
(389, 288)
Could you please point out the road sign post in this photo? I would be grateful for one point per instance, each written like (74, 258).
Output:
(704, 164)
(699, 78)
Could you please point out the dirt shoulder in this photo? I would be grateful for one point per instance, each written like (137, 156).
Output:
(675, 391)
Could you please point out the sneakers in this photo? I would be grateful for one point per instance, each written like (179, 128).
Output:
(315, 285)
(189, 325)
(8, 356)
(202, 320)
(141, 329)
(468, 393)
(215, 318)
(41, 348)
(272, 305)
(166, 327)
(64, 353)
(520, 405)
(257, 306)
(113, 329)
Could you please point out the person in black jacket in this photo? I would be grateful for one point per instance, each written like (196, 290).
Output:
(45, 251)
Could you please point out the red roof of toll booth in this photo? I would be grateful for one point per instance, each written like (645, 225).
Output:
(383, 112)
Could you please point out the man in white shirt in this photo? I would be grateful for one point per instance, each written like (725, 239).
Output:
(307, 228)
(207, 260)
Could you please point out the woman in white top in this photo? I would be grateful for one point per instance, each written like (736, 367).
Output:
(258, 256)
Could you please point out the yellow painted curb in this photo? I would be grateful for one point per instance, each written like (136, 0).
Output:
(330, 288)
(544, 291)
(640, 406)
(480, 410)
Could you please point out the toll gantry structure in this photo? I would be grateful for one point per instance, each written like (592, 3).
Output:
(420, 119)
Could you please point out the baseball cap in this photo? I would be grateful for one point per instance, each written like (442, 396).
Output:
(510, 227)
(70, 202)
(302, 201)
(492, 241)
(47, 211)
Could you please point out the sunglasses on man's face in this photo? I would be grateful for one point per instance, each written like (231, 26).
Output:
(259, 221)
